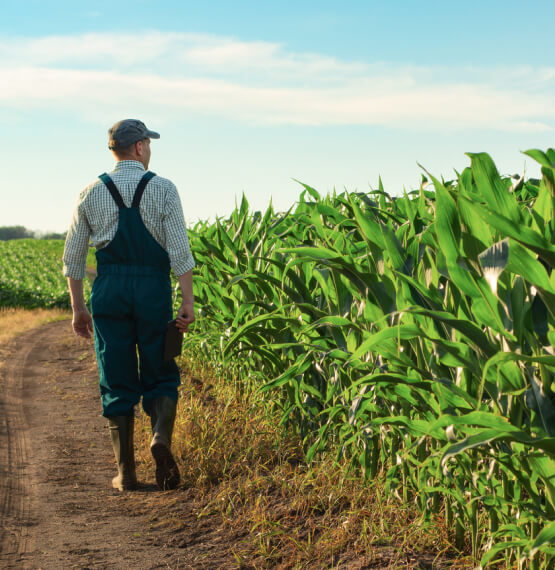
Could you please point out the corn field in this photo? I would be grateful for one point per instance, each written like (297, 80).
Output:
(412, 336)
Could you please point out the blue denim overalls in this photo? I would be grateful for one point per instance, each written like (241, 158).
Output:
(131, 305)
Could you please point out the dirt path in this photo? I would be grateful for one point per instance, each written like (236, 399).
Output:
(57, 507)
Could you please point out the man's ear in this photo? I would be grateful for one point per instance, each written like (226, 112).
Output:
(139, 148)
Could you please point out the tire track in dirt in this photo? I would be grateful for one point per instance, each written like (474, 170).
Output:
(14, 447)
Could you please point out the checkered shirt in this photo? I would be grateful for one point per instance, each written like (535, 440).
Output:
(95, 218)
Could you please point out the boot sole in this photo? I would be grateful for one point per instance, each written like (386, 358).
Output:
(167, 472)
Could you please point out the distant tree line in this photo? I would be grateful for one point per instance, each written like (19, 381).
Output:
(20, 232)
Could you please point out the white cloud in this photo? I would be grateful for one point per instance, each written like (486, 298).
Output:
(261, 83)
(102, 49)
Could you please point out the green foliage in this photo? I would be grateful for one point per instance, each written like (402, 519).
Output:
(20, 232)
(412, 335)
(31, 274)
(14, 232)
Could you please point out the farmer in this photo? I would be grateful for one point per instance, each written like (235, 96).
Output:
(135, 221)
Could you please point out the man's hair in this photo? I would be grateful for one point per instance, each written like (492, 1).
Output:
(126, 152)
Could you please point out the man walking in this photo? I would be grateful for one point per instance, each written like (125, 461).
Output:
(135, 221)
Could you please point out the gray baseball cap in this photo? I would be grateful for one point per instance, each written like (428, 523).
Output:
(127, 132)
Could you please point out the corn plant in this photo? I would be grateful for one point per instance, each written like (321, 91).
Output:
(413, 335)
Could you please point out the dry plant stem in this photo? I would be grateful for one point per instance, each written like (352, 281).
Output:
(242, 466)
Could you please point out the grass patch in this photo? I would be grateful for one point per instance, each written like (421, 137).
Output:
(283, 513)
(14, 321)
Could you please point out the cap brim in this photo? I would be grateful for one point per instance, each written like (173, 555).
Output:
(152, 134)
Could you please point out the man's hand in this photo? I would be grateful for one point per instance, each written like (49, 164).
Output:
(82, 320)
(82, 323)
(185, 316)
(186, 313)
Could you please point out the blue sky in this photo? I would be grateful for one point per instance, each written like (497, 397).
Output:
(250, 95)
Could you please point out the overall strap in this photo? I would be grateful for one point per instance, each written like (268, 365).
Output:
(113, 190)
(141, 188)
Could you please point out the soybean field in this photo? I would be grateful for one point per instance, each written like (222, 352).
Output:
(31, 274)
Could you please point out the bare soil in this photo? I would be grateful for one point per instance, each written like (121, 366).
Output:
(56, 463)
(57, 507)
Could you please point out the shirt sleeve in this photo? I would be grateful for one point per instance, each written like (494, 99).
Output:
(77, 244)
(177, 241)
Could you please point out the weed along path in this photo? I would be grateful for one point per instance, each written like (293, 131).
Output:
(56, 463)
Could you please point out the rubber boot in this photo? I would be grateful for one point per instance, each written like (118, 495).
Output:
(162, 417)
(121, 431)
